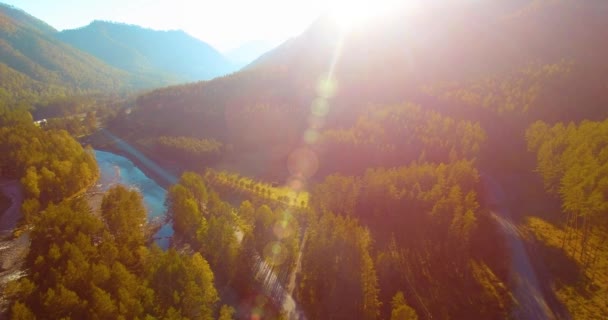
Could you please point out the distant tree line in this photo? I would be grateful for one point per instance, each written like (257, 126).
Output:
(189, 150)
(392, 135)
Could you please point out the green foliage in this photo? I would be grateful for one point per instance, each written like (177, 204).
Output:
(125, 216)
(389, 136)
(196, 185)
(189, 150)
(573, 161)
(581, 287)
(536, 90)
(36, 64)
(14, 116)
(220, 245)
(185, 212)
(51, 164)
(204, 222)
(83, 267)
(427, 228)
(160, 57)
(400, 309)
(338, 194)
(183, 286)
(231, 183)
(338, 276)
(247, 212)
(275, 234)
(412, 235)
(515, 92)
(20, 311)
(62, 106)
(226, 313)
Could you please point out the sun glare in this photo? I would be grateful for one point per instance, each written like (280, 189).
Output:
(353, 13)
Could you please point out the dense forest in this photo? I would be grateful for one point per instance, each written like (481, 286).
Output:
(398, 158)
(99, 267)
(571, 159)
(38, 63)
(404, 171)
(88, 263)
(52, 165)
(34, 64)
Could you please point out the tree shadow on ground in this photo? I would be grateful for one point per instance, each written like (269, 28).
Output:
(557, 270)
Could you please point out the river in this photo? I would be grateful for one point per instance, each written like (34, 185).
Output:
(115, 169)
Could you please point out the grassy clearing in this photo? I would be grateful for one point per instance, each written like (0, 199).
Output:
(583, 289)
(263, 190)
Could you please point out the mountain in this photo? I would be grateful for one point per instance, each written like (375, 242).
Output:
(173, 55)
(38, 62)
(248, 52)
(429, 158)
(375, 110)
(25, 20)
(555, 47)
(34, 63)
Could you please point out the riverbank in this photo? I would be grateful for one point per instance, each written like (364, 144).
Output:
(12, 191)
(163, 173)
(13, 250)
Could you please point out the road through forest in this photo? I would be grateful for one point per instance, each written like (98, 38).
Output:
(530, 303)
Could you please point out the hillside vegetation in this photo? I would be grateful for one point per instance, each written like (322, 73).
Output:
(168, 56)
(344, 175)
(34, 63)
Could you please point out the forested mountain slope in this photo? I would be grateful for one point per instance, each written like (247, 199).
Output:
(379, 114)
(33, 63)
(38, 63)
(418, 56)
(356, 165)
(174, 56)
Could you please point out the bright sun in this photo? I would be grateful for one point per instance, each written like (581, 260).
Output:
(352, 13)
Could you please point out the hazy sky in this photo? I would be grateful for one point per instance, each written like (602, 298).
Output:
(224, 24)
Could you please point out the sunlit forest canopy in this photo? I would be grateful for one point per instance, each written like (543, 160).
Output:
(383, 160)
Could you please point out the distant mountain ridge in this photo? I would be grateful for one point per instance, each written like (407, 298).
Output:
(24, 19)
(457, 42)
(37, 61)
(34, 63)
(174, 55)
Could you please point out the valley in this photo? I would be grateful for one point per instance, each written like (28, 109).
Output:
(441, 161)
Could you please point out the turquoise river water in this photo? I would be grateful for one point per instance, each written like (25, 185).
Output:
(115, 169)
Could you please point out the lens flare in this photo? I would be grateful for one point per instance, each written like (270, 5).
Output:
(327, 86)
(316, 122)
(275, 253)
(303, 162)
(283, 229)
(320, 107)
(296, 184)
(311, 136)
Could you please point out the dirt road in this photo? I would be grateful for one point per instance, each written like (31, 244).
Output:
(530, 303)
